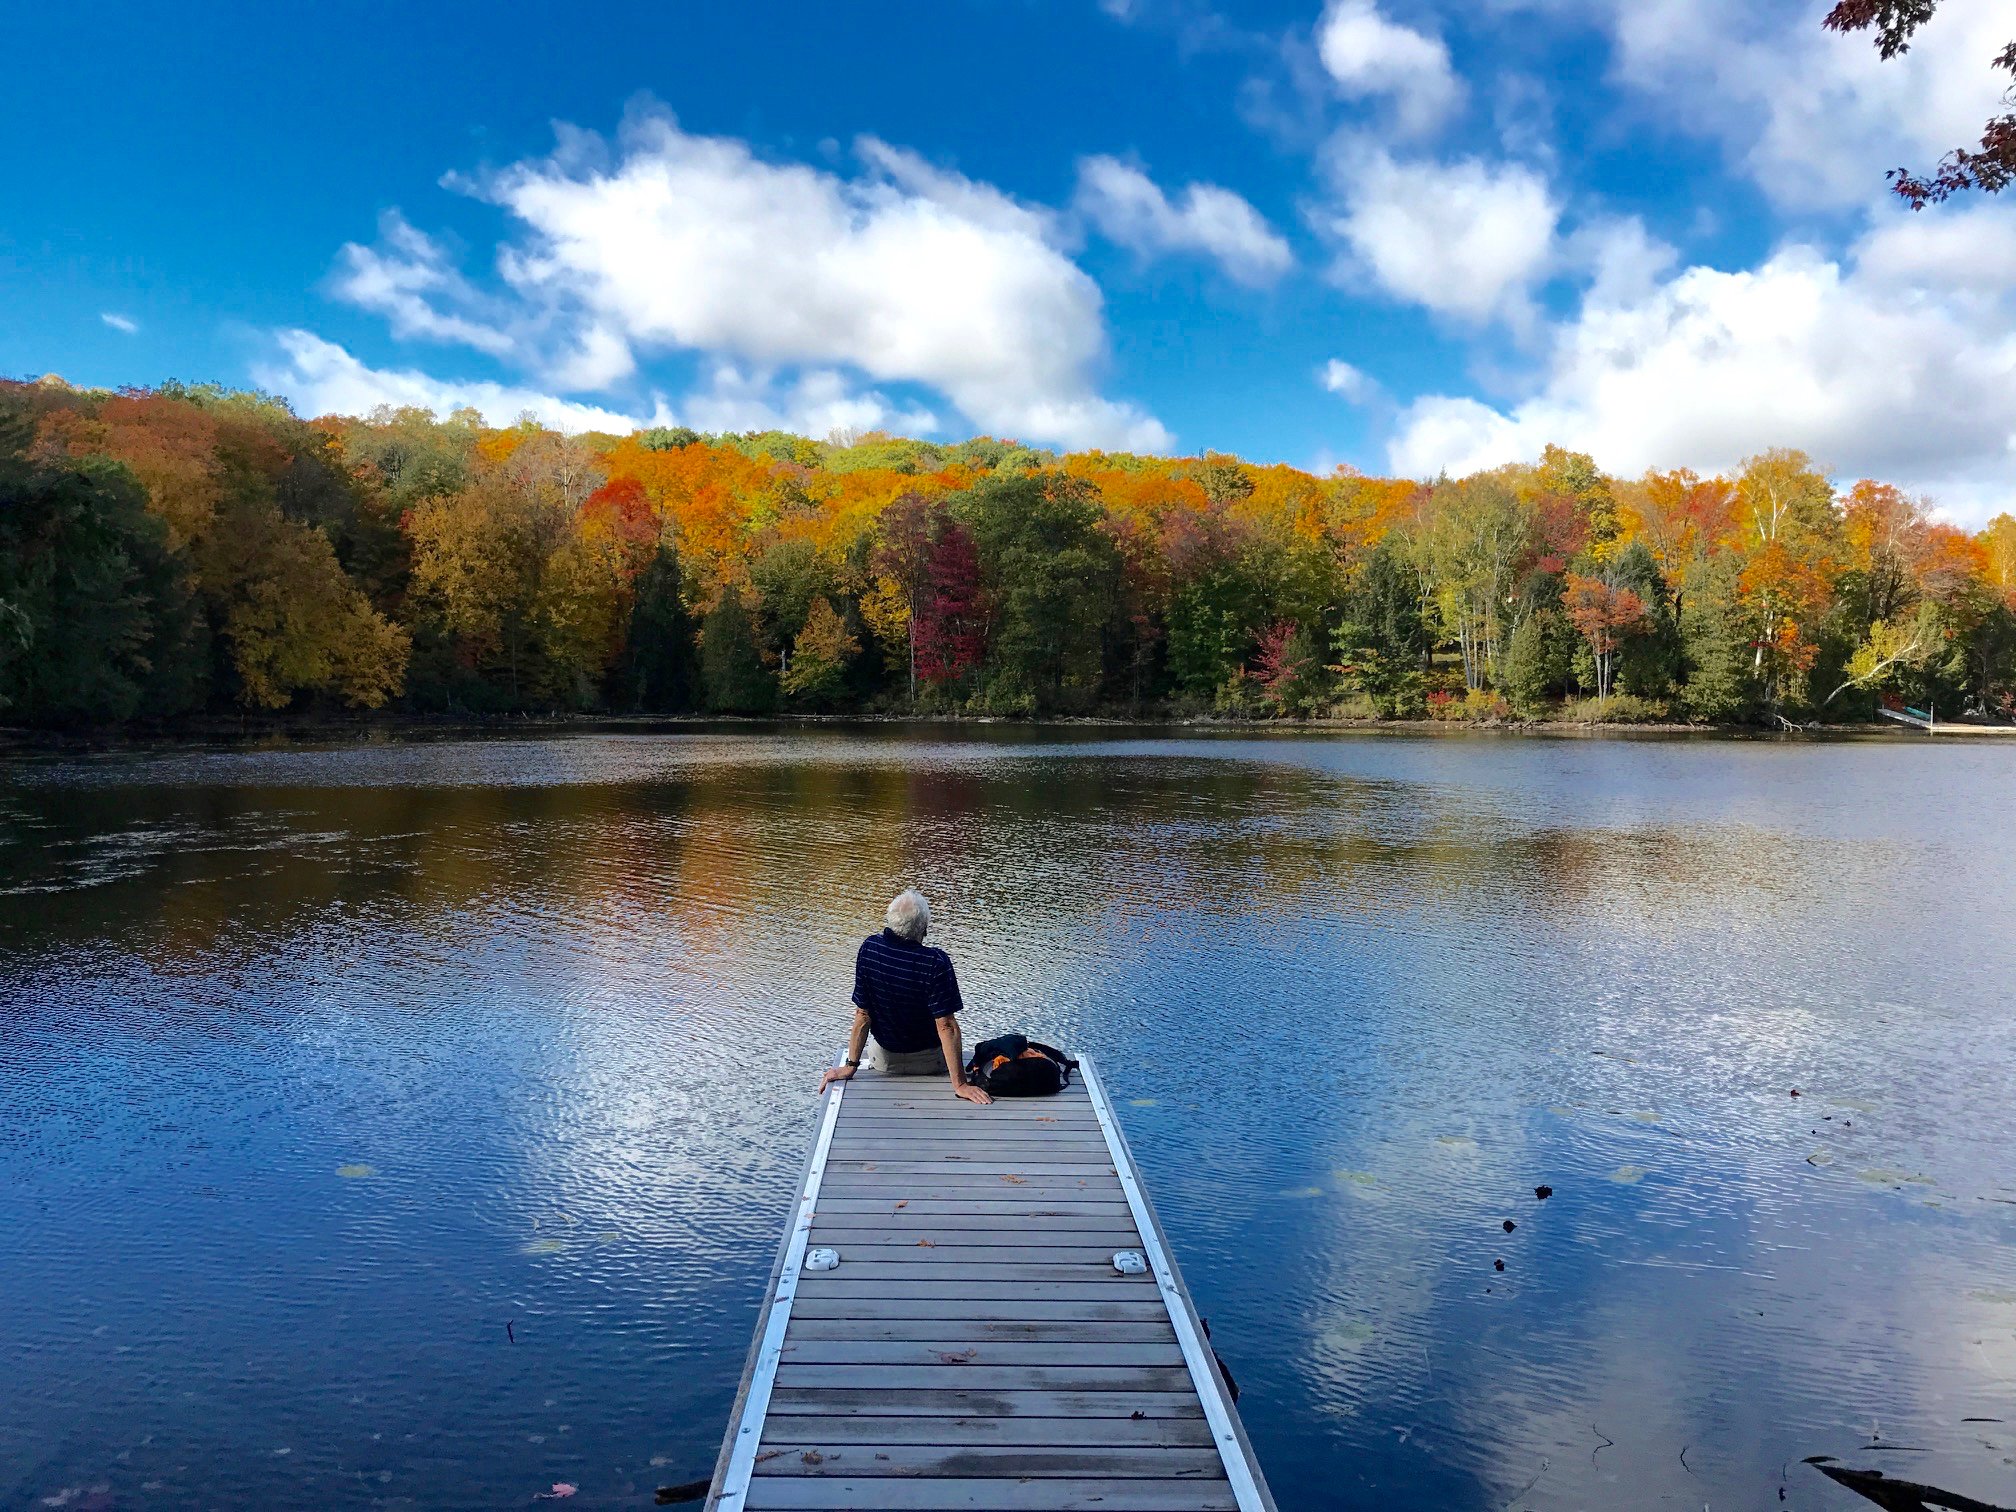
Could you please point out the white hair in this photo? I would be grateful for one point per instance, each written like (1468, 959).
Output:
(909, 915)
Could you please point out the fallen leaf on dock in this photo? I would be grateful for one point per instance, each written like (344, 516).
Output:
(1046, 1118)
(1016, 1179)
(904, 1203)
(925, 1244)
(813, 1457)
(1137, 1414)
(960, 1358)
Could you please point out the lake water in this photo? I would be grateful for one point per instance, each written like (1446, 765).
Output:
(411, 1124)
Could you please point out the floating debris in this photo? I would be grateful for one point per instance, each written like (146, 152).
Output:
(1542, 1193)
(1510, 1225)
(1497, 1265)
(1896, 1495)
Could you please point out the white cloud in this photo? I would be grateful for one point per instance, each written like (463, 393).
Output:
(1465, 239)
(818, 403)
(1346, 381)
(407, 280)
(321, 378)
(1814, 117)
(1369, 56)
(1875, 363)
(906, 273)
(1129, 208)
(1968, 250)
(125, 323)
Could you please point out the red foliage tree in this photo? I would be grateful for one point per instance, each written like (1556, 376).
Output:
(1991, 169)
(1605, 615)
(950, 625)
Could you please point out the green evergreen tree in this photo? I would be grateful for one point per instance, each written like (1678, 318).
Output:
(1531, 671)
(98, 620)
(1382, 638)
(1052, 580)
(731, 665)
(1649, 661)
(656, 674)
(1720, 685)
(1214, 623)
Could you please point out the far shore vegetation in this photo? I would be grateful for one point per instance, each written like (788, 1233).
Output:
(191, 553)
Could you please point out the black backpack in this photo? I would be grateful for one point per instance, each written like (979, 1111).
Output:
(1000, 1068)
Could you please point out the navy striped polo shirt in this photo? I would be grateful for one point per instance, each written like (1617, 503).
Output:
(904, 987)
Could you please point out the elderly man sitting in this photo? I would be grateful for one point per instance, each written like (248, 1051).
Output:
(907, 997)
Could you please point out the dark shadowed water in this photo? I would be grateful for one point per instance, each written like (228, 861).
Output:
(411, 1125)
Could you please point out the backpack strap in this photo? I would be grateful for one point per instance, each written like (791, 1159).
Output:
(1065, 1064)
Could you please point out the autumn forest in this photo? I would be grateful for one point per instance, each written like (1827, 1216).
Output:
(188, 550)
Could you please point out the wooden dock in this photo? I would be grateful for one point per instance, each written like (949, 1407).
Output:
(976, 1348)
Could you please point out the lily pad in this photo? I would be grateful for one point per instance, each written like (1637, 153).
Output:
(1628, 1175)
(1461, 1142)
(1144, 1102)
(1303, 1192)
(1351, 1334)
(356, 1172)
(1895, 1178)
(1358, 1178)
(543, 1247)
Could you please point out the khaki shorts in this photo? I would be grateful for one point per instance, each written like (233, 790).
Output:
(904, 1063)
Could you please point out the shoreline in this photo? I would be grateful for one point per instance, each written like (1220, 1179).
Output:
(317, 729)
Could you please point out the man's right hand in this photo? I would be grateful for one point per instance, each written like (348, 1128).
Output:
(971, 1093)
(835, 1074)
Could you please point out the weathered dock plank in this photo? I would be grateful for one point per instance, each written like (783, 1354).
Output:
(975, 1349)
(917, 1403)
(779, 1493)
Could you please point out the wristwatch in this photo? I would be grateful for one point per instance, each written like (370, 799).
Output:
(855, 1064)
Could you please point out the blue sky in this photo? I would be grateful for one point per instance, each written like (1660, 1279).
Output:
(1401, 235)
